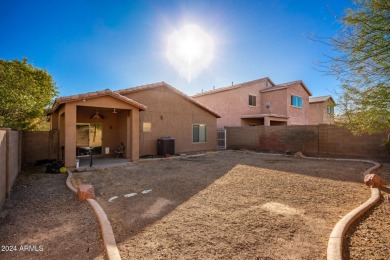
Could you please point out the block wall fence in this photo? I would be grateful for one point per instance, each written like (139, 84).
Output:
(18, 148)
(40, 145)
(321, 141)
(10, 160)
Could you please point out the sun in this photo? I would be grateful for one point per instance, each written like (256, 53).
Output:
(190, 50)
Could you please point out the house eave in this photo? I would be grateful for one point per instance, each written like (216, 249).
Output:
(264, 115)
(91, 95)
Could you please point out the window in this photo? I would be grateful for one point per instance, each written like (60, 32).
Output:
(330, 109)
(296, 101)
(252, 100)
(199, 133)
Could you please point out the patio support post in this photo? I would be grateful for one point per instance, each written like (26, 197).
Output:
(134, 138)
(70, 135)
(267, 121)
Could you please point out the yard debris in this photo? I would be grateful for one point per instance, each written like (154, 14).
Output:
(130, 195)
(54, 167)
(299, 155)
(112, 199)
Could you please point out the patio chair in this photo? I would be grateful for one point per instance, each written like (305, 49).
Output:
(120, 150)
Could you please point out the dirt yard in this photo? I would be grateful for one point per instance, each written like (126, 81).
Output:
(42, 220)
(228, 205)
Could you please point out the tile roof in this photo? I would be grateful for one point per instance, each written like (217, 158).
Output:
(90, 95)
(232, 87)
(320, 99)
(286, 85)
(163, 84)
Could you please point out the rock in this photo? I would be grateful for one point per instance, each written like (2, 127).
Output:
(299, 155)
(85, 191)
(374, 180)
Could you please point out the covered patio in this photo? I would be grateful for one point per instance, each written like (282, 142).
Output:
(264, 119)
(100, 161)
(102, 120)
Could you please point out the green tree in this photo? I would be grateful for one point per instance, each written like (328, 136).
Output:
(25, 91)
(362, 65)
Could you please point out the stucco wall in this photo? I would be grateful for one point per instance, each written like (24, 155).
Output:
(277, 101)
(10, 160)
(315, 113)
(3, 167)
(172, 115)
(14, 162)
(319, 113)
(40, 145)
(298, 116)
(232, 104)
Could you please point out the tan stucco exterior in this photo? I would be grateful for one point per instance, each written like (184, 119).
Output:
(116, 127)
(3, 167)
(273, 103)
(10, 160)
(165, 110)
(170, 113)
(318, 113)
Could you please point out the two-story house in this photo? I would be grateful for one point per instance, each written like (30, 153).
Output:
(321, 110)
(261, 102)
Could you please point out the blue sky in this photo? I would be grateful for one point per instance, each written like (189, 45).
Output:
(94, 45)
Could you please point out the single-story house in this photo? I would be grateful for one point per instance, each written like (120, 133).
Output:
(135, 117)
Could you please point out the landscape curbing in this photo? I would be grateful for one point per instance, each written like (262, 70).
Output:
(109, 242)
(336, 238)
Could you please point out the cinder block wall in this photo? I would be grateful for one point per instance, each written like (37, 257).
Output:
(246, 137)
(3, 166)
(27, 147)
(14, 160)
(327, 141)
(40, 145)
(10, 161)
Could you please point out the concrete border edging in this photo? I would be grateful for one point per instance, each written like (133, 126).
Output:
(110, 247)
(336, 238)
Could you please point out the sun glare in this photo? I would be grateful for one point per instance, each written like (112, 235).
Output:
(190, 50)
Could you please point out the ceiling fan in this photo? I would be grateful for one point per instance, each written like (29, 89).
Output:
(97, 115)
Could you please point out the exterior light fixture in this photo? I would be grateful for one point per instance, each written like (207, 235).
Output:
(97, 115)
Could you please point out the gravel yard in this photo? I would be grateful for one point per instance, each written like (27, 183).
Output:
(233, 204)
(42, 220)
